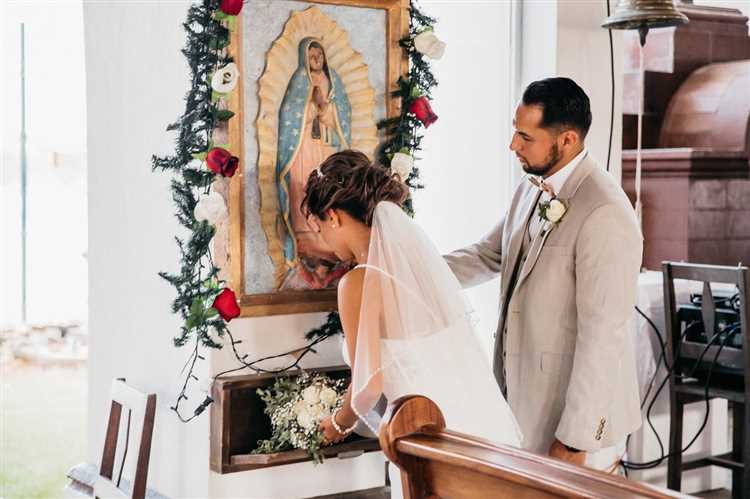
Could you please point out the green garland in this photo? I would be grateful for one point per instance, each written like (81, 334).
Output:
(197, 282)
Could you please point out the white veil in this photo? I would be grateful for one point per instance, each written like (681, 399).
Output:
(415, 335)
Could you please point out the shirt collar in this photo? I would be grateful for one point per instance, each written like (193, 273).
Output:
(557, 180)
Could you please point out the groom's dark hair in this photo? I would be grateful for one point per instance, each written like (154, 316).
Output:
(564, 104)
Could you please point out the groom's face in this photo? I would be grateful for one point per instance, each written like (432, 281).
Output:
(536, 148)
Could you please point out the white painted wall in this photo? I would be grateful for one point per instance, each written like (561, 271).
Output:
(136, 79)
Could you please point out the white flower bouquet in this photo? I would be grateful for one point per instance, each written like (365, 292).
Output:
(296, 406)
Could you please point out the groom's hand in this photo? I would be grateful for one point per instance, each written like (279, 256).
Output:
(559, 451)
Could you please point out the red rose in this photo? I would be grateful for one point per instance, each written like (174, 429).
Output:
(231, 7)
(226, 304)
(221, 161)
(423, 111)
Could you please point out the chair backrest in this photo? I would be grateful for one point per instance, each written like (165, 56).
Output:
(679, 346)
(438, 463)
(141, 409)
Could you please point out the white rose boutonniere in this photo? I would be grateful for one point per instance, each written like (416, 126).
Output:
(552, 211)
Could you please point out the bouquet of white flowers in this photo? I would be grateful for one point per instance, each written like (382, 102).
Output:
(296, 406)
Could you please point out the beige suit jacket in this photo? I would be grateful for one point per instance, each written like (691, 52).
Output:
(563, 349)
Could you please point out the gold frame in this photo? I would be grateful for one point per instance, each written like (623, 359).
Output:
(294, 302)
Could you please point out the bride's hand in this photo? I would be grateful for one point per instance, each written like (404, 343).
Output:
(329, 432)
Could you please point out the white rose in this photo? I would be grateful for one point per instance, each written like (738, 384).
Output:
(430, 45)
(211, 208)
(311, 395)
(329, 396)
(402, 164)
(225, 79)
(555, 211)
(318, 411)
(299, 407)
(305, 420)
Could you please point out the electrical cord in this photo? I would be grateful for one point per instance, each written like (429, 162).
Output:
(724, 335)
(612, 100)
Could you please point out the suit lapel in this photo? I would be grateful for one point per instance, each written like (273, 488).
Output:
(566, 195)
(516, 238)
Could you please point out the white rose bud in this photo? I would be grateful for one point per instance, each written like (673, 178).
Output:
(225, 79)
(311, 395)
(430, 45)
(211, 208)
(328, 396)
(555, 211)
(402, 164)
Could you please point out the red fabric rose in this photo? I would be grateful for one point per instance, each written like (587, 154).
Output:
(226, 304)
(221, 162)
(423, 111)
(230, 7)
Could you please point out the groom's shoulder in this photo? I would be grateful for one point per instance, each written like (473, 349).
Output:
(604, 195)
(600, 188)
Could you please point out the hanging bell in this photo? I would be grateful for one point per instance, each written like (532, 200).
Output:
(644, 15)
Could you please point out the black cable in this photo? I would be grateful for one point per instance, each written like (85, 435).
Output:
(612, 76)
(662, 356)
(656, 462)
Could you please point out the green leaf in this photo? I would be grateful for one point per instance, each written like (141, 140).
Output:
(215, 96)
(218, 43)
(232, 23)
(196, 308)
(224, 114)
(211, 312)
(200, 155)
(223, 146)
(220, 15)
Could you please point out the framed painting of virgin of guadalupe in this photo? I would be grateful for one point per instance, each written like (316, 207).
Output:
(315, 77)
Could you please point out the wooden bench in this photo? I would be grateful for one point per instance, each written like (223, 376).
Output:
(439, 463)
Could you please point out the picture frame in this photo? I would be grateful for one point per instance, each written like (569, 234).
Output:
(274, 265)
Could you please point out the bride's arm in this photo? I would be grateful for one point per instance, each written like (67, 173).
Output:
(349, 300)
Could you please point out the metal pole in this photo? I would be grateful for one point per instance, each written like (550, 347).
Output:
(23, 175)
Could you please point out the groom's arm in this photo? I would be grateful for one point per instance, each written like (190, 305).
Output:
(608, 259)
(479, 262)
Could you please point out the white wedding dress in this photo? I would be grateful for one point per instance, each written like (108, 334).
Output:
(415, 337)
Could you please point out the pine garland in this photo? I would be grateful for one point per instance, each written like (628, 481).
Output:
(197, 282)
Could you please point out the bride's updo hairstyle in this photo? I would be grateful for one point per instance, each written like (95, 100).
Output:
(349, 181)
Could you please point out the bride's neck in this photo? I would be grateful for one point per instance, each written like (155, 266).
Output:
(360, 244)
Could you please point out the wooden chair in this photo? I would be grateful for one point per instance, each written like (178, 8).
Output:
(683, 392)
(142, 408)
(438, 463)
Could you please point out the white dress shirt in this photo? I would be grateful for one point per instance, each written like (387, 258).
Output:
(556, 181)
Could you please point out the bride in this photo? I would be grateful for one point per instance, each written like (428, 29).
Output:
(406, 325)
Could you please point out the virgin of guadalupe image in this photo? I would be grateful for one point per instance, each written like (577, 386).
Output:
(314, 123)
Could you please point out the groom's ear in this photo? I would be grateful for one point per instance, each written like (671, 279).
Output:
(571, 138)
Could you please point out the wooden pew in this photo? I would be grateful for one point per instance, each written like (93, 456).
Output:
(439, 463)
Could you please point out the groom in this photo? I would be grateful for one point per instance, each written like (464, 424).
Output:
(568, 252)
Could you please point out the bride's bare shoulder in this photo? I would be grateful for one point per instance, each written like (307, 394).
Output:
(351, 284)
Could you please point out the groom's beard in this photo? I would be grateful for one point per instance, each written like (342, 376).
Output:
(550, 161)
